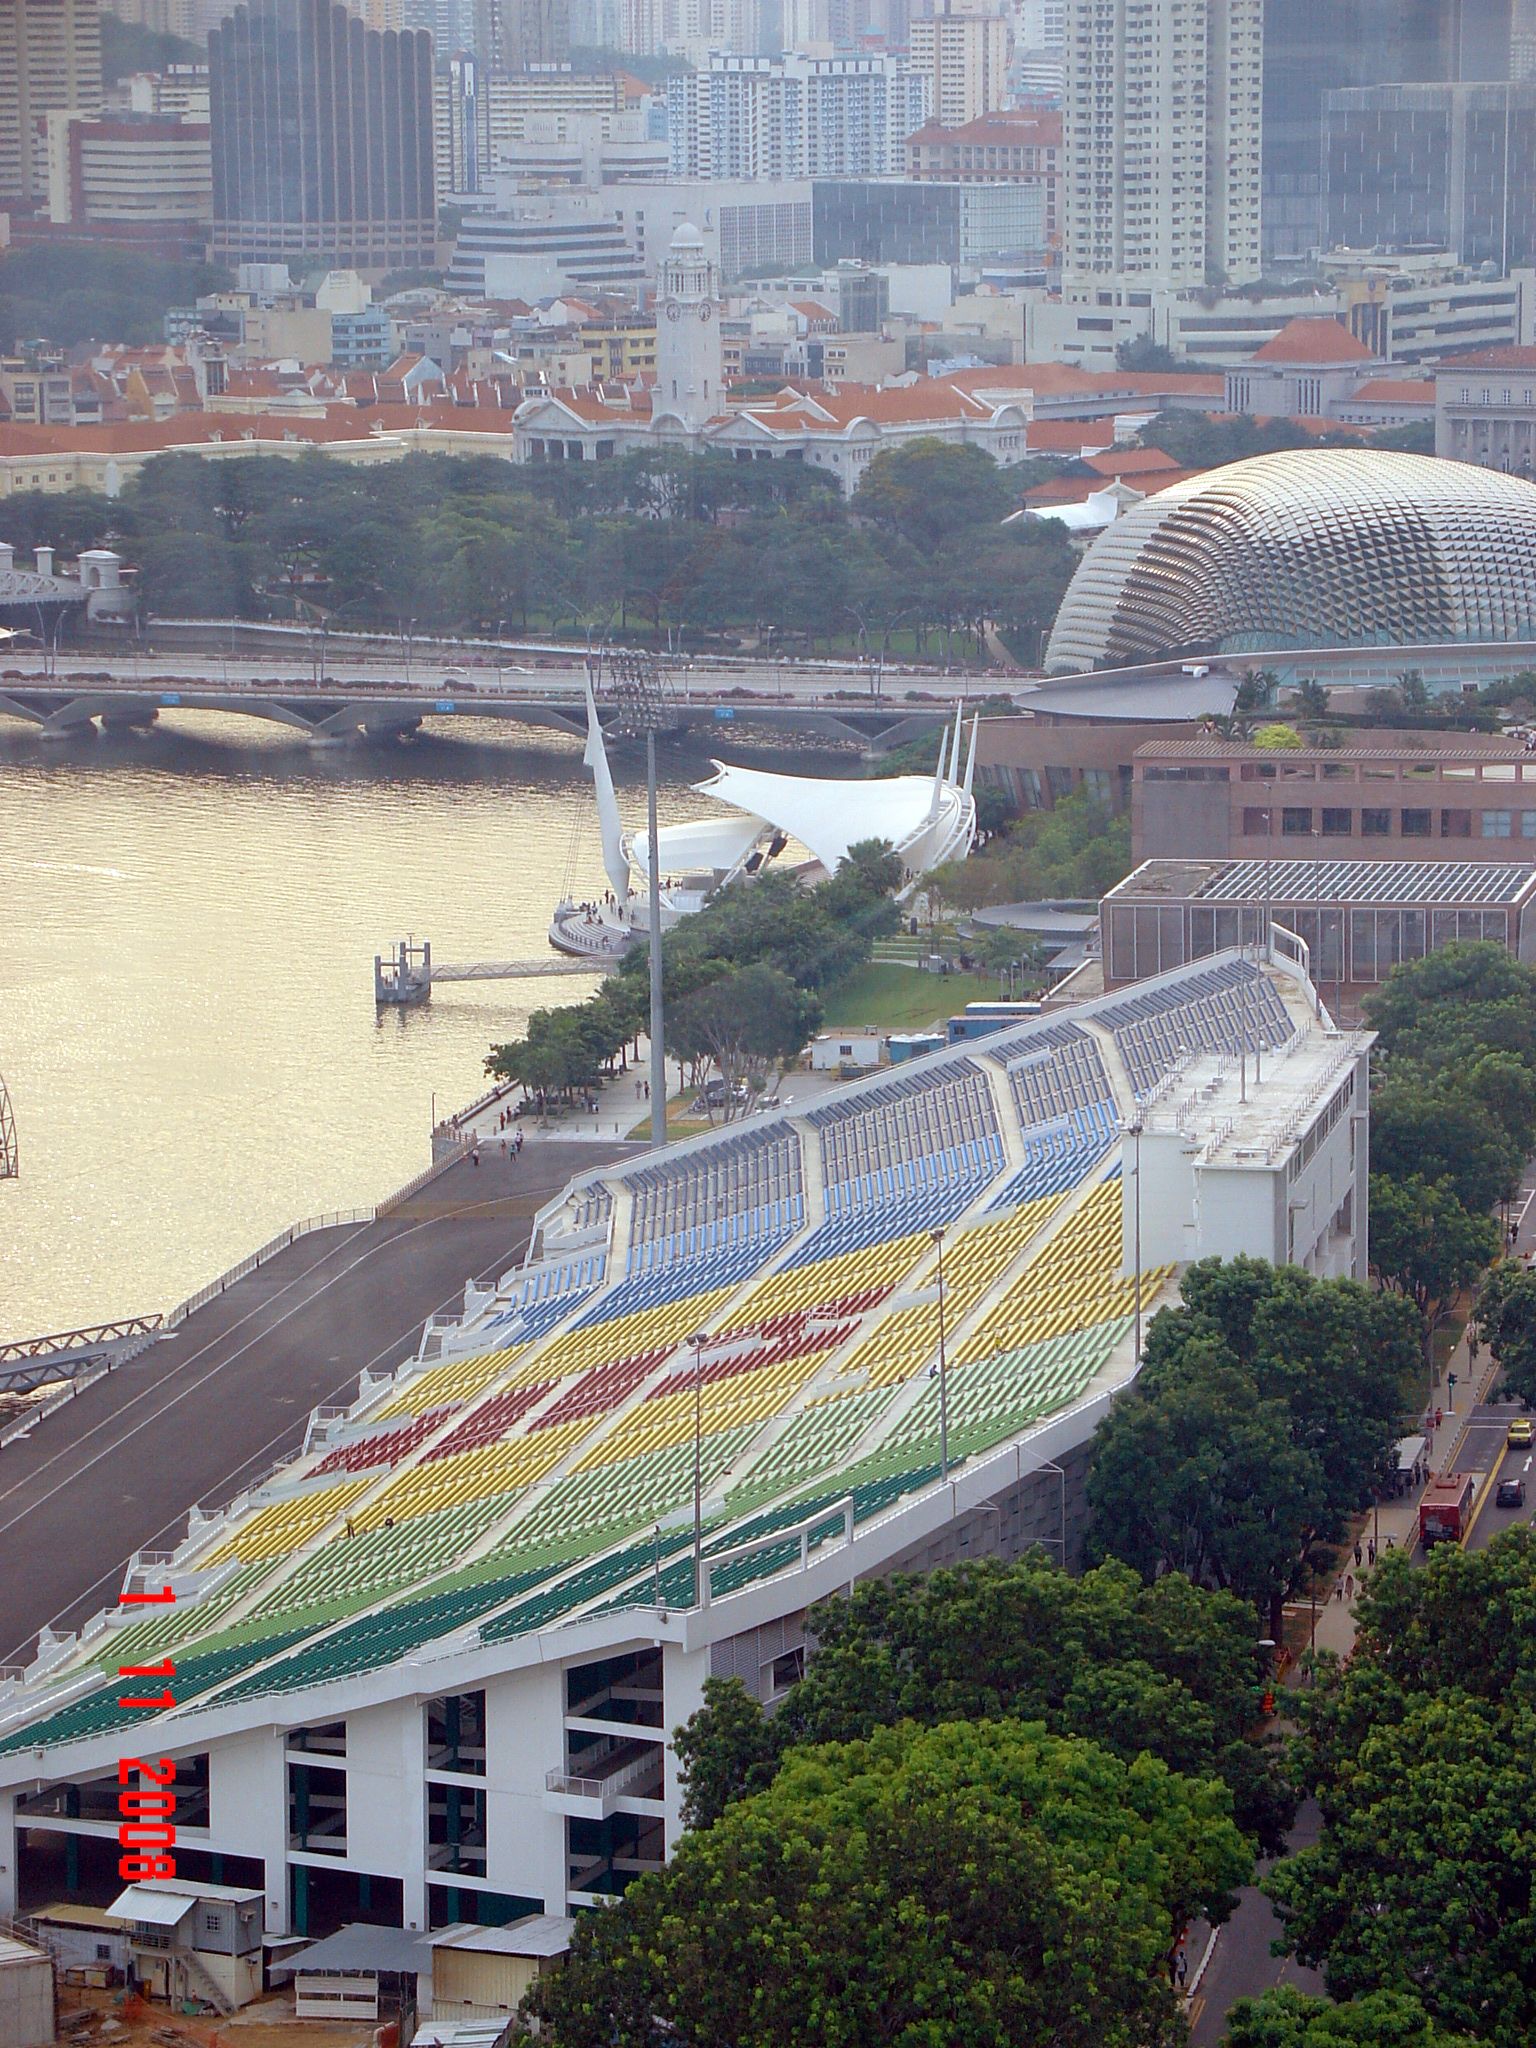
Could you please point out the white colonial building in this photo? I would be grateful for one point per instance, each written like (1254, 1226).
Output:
(840, 430)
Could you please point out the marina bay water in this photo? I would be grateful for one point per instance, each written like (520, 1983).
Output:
(188, 921)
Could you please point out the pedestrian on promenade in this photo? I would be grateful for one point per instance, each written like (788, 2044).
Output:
(1357, 1555)
(1391, 1543)
(1338, 1589)
(1349, 1585)
(1370, 1550)
(474, 1157)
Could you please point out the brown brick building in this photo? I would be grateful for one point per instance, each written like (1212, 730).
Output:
(1391, 795)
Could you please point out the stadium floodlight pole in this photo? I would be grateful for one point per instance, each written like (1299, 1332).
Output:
(658, 1028)
(698, 1340)
(1136, 1128)
(641, 699)
(937, 1237)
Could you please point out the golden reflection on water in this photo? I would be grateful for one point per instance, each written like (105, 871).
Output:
(187, 929)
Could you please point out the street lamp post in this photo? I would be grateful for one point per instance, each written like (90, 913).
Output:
(937, 1237)
(698, 1340)
(1136, 1128)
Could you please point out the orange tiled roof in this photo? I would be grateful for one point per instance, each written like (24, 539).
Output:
(1491, 359)
(1319, 341)
(1007, 126)
(1400, 390)
(1130, 462)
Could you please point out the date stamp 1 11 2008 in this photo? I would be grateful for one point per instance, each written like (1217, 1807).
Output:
(146, 1797)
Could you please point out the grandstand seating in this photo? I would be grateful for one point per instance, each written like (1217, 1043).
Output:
(447, 1385)
(908, 1152)
(519, 1484)
(746, 1187)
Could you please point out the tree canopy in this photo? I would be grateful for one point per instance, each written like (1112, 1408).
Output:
(1506, 1323)
(1425, 1245)
(741, 979)
(655, 544)
(1265, 1412)
(1164, 1668)
(972, 1885)
(1423, 1880)
(75, 294)
(1287, 2018)
(1078, 849)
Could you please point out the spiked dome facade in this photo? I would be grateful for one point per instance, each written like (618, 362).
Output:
(1327, 547)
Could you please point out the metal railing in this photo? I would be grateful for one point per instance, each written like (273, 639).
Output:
(93, 1338)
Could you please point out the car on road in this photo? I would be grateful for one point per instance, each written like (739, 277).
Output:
(1521, 1433)
(1511, 1494)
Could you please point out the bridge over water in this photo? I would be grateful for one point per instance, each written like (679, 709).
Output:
(837, 706)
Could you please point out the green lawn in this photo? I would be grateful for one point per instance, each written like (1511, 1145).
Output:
(888, 998)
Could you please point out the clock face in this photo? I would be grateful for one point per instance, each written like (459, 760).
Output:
(706, 311)
(674, 310)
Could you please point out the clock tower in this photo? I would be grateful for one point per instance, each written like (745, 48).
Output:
(690, 383)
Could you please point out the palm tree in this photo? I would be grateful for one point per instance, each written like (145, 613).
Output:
(1309, 699)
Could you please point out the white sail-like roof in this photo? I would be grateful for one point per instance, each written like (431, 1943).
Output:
(924, 826)
(715, 844)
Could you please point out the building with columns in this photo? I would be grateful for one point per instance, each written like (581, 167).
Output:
(688, 407)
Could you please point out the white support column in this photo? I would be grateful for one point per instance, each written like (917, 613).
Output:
(248, 1811)
(525, 1739)
(8, 1854)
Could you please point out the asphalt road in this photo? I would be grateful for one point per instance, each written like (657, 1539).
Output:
(1486, 1451)
(207, 1410)
(1242, 1965)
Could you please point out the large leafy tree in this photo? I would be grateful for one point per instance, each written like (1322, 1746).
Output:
(1460, 996)
(1265, 1411)
(1438, 1130)
(1425, 1245)
(1419, 1752)
(974, 1885)
(1287, 2018)
(1506, 1323)
(927, 491)
(746, 1017)
(1163, 1668)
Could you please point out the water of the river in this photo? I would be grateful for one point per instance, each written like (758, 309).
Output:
(187, 928)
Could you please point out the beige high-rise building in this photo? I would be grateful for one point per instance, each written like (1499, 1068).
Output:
(964, 48)
(50, 58)
(1160, 135)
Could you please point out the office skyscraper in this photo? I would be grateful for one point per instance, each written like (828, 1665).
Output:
(322, 139)
(50, 60)
(1337, 45)
(1432, 166)
(1160, 134)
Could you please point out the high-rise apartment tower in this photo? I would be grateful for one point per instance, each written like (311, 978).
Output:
(50, 60)
(1160, 135)
(963, 47)
(322, 139)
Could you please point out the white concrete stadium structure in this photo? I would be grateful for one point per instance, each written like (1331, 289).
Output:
(427, 1672)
